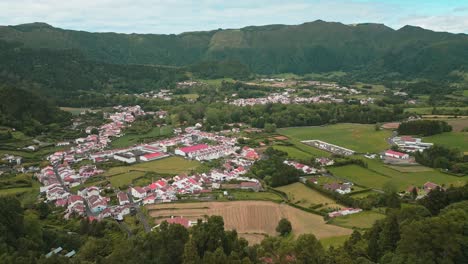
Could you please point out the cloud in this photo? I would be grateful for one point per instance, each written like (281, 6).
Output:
(448, 23)
(176, 16)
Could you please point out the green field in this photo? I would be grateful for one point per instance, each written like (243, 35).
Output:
(193, 96)
(377, 174)
(294, 152)
(450, 139)
(171, 165)
(247, 195)
(362, 220)
(306, 197)
(124, 179)
(132, 139)
(465, 93)
(333, 241)
(358, 137)
(360, 175)
(428, 110)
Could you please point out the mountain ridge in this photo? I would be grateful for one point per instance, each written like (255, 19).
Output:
(316, 46)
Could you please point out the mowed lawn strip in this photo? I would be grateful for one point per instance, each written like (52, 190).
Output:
(358, 137)
(306, 197)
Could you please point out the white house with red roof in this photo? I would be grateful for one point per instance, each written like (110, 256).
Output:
(138, 192)
(123, 198)
(150, 199)
(153, 156)
(395, 154)
(185, 151)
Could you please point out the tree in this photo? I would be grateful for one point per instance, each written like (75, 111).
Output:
(270, 128)
(308, 250)
(284, 227)
(190, 253)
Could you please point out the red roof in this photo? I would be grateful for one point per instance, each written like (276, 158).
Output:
(408, 138)
(179, 220)
(153, 155)
(194, 148)
(396, 153)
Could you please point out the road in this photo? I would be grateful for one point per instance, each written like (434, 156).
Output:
(140, 215)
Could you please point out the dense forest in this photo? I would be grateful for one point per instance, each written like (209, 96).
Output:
(368, 49)
(424, 127)
(433, 230)
(29, 112)
(64, 73)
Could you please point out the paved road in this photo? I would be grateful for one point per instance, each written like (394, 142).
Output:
(140, 215)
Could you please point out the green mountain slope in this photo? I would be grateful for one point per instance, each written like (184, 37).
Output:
(310, 47)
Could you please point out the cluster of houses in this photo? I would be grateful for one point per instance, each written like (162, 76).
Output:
(162, 94)
(344, 211)
(424, 190)
(341, 188)
(302, 167)
(329, 147)
(285, 98)
(395, 155)
(411, 144)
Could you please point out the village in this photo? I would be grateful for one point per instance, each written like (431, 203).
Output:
(63, 181)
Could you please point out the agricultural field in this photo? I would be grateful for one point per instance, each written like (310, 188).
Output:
(360, 175)
(171, 165)
(362, 220)
(378, 174)
(124, 179)
(294, 152)
(306, 197)
(358, 137)
(249, 195)
(458, 124)
(251, 219)
(428, 110)
(130, 139)
(450, 139)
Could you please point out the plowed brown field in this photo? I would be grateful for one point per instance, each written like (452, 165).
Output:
(251, 219)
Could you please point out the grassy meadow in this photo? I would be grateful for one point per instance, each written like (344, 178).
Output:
(358, 137)
(306, 197)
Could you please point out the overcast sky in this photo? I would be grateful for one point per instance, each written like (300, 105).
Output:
(176, 16)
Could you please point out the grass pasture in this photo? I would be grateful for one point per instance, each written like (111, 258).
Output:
(306, 197)
(251, 219)
(130, 139)
(360, 175)
(124, 175)
(294, 152)
(378, 174)
(450, 139)
(358, 137)
(362, 220)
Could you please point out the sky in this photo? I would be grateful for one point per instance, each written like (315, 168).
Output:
(177, 16)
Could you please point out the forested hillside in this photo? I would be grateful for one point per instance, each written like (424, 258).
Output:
(29, 112)
(310, 47)
(63, 73)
